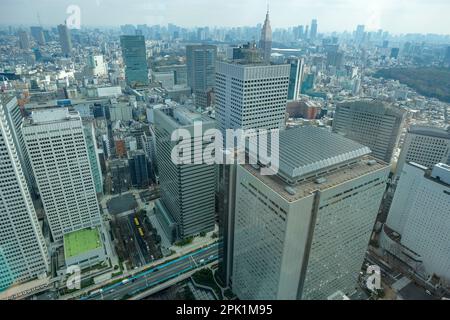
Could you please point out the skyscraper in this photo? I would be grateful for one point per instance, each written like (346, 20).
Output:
(426, 146)
(59, 157)
(303, 233)
(135, 59)
(248, 96)
(371, 123)
(65, 40)
(38, 35)
(417, 229)
(201, 62)
(138, 164)
(251, 96)
(265, 43)
(23, 252)
(313, 34)
(93, 153)
(24, 40)
(187, 190)
(295, 77)
(14, 117)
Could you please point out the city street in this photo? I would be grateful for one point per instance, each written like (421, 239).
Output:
(157, 275)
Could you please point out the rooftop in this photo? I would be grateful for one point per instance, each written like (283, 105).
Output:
(307, 150)
(430, 131)
(361, 167)
(45, 116)
(81, 241)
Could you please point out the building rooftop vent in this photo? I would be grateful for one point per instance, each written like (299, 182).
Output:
(321, 180)
(290, 190)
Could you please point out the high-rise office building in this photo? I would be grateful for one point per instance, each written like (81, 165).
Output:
(251, 96)
(59, 157)
(135, 59)
(14, 117)
(265, 43)
(303, 233)
(295, 77)
(248, 96)
(65, 40)
(371, 123)
(426, 146)
(360, 34)
(201, 62)
(417, 230)
(23, 252)
(313, 34)
(187, 190)
(93, 153)
(138, 163)
(38, 34)
(24, 40)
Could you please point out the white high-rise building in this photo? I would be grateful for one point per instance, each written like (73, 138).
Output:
(23, 252)
(14, 117)
(57, 149)
(251, 96)
(418, 225)
(426, 146)
(303, 233)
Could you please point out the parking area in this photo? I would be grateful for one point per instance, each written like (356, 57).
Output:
(137, 241)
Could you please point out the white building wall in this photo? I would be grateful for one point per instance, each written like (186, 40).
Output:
(60, 163)
(425, 219)
(23, 252)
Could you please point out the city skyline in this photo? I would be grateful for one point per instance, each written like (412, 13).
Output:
(336, 15)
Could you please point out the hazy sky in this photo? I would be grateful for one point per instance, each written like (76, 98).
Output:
(396, 16)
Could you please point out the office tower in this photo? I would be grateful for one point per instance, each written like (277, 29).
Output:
(23, 252)
(265, 43)
(371, 123)
(201, 61)
(187, 190)
(65, 40)
(426, 146)
(38, 34)
(335, 58)
(251, 96)
(93, 154)
(313, 35)
(360, 34)
(226, 199)
(24, 40)
(394, 53)
(417, 230)
(306, 32)
(303, 233)
(14, 117)
(295, 77)
(135, 59)
(59, 157)
(138, 164)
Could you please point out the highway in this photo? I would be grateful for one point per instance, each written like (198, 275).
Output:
(157, 275)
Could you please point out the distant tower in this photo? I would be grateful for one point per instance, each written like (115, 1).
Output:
(65, 40)
(313, 34)
(265, 44)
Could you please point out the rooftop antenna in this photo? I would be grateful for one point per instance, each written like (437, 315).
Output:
(39, 19)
